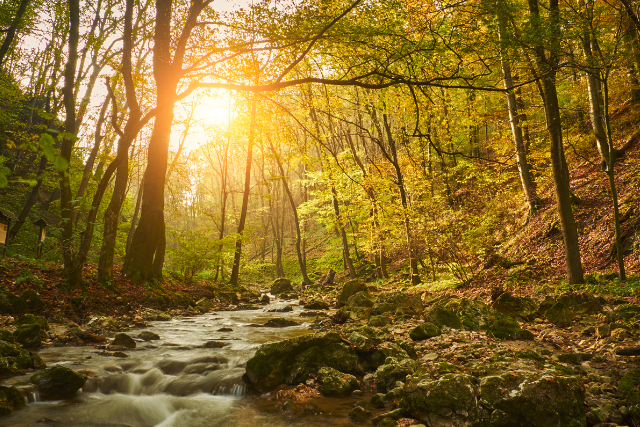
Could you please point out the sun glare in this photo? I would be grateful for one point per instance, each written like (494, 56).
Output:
(198, 114)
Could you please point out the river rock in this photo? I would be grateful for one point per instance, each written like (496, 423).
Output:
(506, 328)
(362, 343)
(560, 315)
(335, 383)
(440, 317)
(624, 312)
(148, 336)
(29, 335)
(281, 286)
(473, 314)
(512, 306)
(280, 322)
(358, 415)
(264, 299)
(425, 331)
(157, 315)
(123, 340)
(14, 359)
(360, 299)
(349, 289)
(390, 303)
(379, 321)
(295, 358)
(204, 304)
(285, 309)
(34, 301)
(58, 382)
(316, 304)
(582, 302)
(391, 371)
(30, 319)
(10, 399)
(11, 303)
(6, 336)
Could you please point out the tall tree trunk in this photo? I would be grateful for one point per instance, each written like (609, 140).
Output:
(301, 262)
(235, 272)
(74, 277)
(11, 32)
(343, 234)
(33, 196)
(548, 68)
(528, 186)
(134, 220)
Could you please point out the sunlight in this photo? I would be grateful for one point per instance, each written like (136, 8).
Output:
(197, 114)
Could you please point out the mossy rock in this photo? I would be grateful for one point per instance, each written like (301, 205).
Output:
(58, 382)
(629, 387)
(6, 336)
(30, 336)
(273, 362)
(391, 371)
(362, 343)
(625, 312)
(473, 314)
(148, 336)
(157, 315)
(425, 331)
(30, 319)
(360, 299)
(9, 367)
(335, 383)
(506, 328)
(316, 304)
(408, 348)
(281, 286)
(582, 302)
(379, 321)
(204, 304)
(349, 289)
(574, 358)
(10, 399)
(440, 317)
(359, 415)
(512, 306)
(33, 300)
(384, 351)
(123, 340)
(11, 303)
(560, 315)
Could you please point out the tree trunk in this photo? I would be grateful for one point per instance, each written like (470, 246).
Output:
(548, 67)
(528, 186)
(33, 196)
(134, 220)
(11, 32)
(235, 272)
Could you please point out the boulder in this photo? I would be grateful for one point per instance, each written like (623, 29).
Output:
(473, 314)
(391, 371)
(11, 303)
(157, 315)
(522, 307)
(629, 388)
(123, 340)
(362, 343)
(204, 304)
(440, 317)
(360, 299)
(148, 336)
(560, 315)
(425, 331)
(6, 336)
(58, 382)
(506, 328)
(281, 286)
(280, 322)
(349, 289)
(30, 335)
(379, 321)
(30, 319)
(228, 297)
(10, 399)
(625, 312)
(335, 383)
(582, 302)
(34, 301)
(13, 359)
(295, 358)
(264, 299)
(390, 303)
(358, 415)
(316, 304)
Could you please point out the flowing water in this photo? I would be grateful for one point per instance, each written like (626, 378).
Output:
(174, 382)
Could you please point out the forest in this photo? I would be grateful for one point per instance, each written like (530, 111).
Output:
(416, 196)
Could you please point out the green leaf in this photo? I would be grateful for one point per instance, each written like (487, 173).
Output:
(46, 141)
(29, 182)
(3, 180)
(61, 164)
(98, 174)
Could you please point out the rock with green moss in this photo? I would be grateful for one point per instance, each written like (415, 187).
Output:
(30, 319)
(629, 388)
(425, 331)
(281, 286)
(362, 343)
(358, 415)
(349, 289)
(6, 336)
(204, 304)
(391, 371)
(383, 351)
(11, 303)
(506, 328)
(10, 399)
(560, 315)
(34, 301)
(157, 315)
(574, 358)
(408, 348)
(123, 340)
(379, 321)
(292, 360)
(148, 336)
(360, 299)
(441, 316)
(335, 383)
(30, 335)
(582, 302)
(58, 382)
(316, 304)
(473, 314)
(410, 305)
(624, 312)
(448, 401)
(512, 306)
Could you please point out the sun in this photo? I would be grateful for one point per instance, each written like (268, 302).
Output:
(199, 113)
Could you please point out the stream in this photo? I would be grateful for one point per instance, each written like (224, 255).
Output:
(174, 381)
